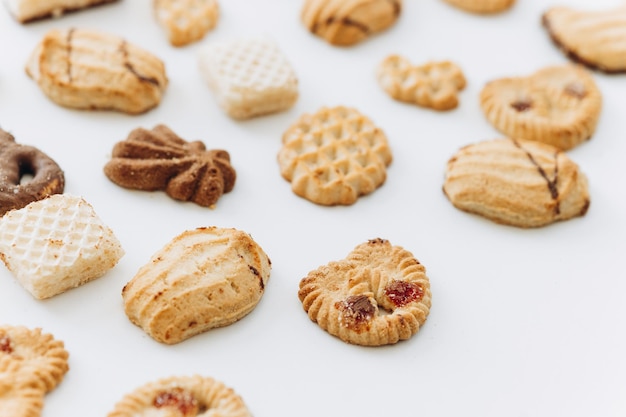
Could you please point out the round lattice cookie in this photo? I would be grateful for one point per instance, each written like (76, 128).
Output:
(182, 396)
(334, 156)
(20, 394)
(378, 295)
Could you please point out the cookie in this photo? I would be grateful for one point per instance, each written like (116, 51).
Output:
(38, 355)
(249, 77)
(20, 161)
(557, 105)
(20, 396)
(378, 295)
(482, 6)
(204, 278)
(56, 244)
(596, 39)
(334, 156)
(89, 70)
(181, 396)
(434, 84)
(186, 21)
(515, 182)
(25, 11)
(158, 159)
(347, 22)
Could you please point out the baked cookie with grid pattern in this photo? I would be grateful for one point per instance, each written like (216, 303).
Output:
(186, 21)
(334, 156)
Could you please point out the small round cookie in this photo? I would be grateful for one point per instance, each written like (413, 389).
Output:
(17, 161)
(334, 156)
(182, 396)
(186, 21)
(37, 354)
(20, 394)
(482, 6)
(347, 22)
(557, 105)
(378, 295)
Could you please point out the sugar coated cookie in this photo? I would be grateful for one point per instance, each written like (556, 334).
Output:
(515, 182)
(186, 21)
(378, 295)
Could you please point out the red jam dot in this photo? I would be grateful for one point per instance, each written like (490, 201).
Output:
(5, 344)
(402, 293)
(177, 398)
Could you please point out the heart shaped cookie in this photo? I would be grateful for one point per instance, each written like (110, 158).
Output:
(378, 295)
(558, 105)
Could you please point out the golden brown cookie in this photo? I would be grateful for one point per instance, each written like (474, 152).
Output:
(39, 355)
(596, 39)
(378, 295)
(89, 70)
(204, 278)
(25, 11)
(557, 105)
(482, 6)
(186, 21)
(20, 395)
(347, 22)
(434, 84)
(516, 182)
(334, 156)
(158, 159)
(182, 396)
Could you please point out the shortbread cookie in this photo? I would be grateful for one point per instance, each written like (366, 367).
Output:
(482, 6)
(347, 22)
(596, 39)
(249, 77)
(158, 159)
(56, 244)
(20, 396)
(434, 84)
(182, 396)
(25, 11)
(186, 21)
(558, 105)
(204, 278)
(334, 156)
(39, 355)
(90, 70)
(516, 182)
(18, 161)
(378, 295)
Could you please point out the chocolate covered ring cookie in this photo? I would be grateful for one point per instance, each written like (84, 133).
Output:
(18, 161)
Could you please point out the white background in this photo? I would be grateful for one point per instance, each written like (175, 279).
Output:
(523, 322)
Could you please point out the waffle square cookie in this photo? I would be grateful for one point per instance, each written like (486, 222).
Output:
(25, 11)
(56, 244)
(334, 156)
(249, 77)
(186, 21)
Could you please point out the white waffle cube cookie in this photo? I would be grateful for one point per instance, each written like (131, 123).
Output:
(249, 77)
(56, 244)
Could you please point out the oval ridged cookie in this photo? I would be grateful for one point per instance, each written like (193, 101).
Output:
(186, 21)
(515, 182)
(378, 295)
(20, 395)
(596, 39)
(204, 278)
(182, 396)
(482, 6)
(91, 70)
(557, 105)
(26, 11)
(347, 22)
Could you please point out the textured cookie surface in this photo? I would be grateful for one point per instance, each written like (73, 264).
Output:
(158, 159)
(182, 396)
(28, 10)
(558, 105)
(378, 295)
(347, 22)
(91, 70)
(20, 396)
(434, 84)
(515, 182)
(596, 39)
(334, 156)
(56, 244)
(186, 21)
(202, 279)
(482, 6)
(249, 77)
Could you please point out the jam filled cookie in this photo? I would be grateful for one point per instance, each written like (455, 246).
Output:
(378, 295)
(20, 395)
(25, 11)
(515, 182)
(557, 105)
